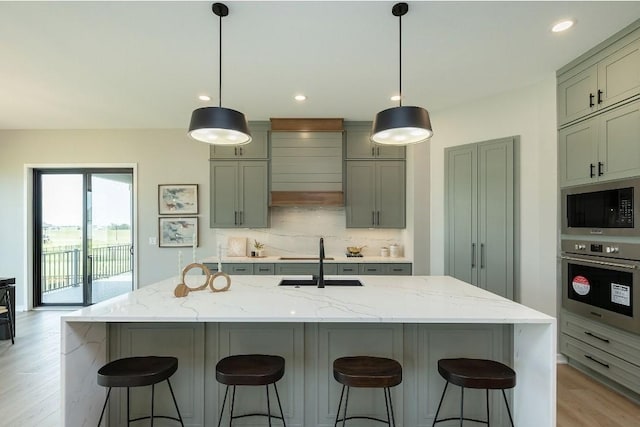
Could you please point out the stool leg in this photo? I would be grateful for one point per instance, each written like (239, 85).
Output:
(346, 402)
(339, 406)
(128, 417)
(153, 389)
(488, 416)
(268, 406)
(386, 404)
(175, 402)
(279, 405)
(224, 401)
(461, 406)
(393, 417)
(12, 330)
(435, 419)
(104, 406)
(507, 405)
(233, 402)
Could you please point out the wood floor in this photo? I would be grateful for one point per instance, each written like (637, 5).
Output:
(30, 383)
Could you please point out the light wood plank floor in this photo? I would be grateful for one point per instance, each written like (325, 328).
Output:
(30, 383)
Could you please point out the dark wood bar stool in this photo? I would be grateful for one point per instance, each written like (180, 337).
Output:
(6, 311)
(478, 374)
(139, 372)
(250, 370)
(371, 372)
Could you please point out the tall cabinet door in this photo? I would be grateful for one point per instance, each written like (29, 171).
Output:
(361, 193)
(390, 200)
(578, 153)
(620, 141)
(254, 194)
(495, 217)
(224, 190)
(460, 213)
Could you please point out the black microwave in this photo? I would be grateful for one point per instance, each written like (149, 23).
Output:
(608, 209)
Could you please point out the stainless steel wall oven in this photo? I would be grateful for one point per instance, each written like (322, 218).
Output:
(601, 281)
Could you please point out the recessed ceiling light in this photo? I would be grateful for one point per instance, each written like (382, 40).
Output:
(562, 26)
(204, 98)
(395, 98)
(300, 98)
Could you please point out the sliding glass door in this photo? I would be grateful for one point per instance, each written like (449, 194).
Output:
(83, 229)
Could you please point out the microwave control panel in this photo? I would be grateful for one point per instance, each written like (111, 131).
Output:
(604, 249)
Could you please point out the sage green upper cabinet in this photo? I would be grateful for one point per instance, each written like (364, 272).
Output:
(359, 145)
(258, 148)
(479, 214)
(602, 148)
(239, 194)
(607, 78)
(375, 194)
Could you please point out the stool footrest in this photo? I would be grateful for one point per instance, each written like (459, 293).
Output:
(256, 414)
(148, 417)
(458, 419)
(362, 417)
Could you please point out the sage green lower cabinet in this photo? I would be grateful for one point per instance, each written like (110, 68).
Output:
(385, 269)
(608, 351)
(375, 194)
(239, 194)
(479, 214)
(281, 269)
(308, 391)
(305, 268)
(266, 269)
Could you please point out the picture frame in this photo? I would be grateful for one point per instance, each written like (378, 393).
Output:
(177, 232)
(178, 199)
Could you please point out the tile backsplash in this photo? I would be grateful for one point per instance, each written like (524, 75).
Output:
(295, 231)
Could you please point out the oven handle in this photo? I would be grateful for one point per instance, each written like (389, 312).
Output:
(592, 261)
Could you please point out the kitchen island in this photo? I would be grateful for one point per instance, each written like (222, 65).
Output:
(414, 319)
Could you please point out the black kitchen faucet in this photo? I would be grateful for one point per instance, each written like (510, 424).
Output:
(321, 269)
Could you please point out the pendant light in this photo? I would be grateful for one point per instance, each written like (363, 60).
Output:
(401, 125)
(218, 125)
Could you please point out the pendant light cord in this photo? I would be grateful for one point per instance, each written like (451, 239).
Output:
(400, 60)
(220, 66)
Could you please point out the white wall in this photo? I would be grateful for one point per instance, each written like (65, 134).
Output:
(529, 112)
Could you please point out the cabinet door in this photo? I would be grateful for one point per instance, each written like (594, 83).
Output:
(495, 217)
(578, 153)
(460, 213)
(359, 145)
(390, 194)
(577, 95)
(360, 194)
(224, 190)
(256, 149)
(619, 75)
(372, 269)
(254, 194)
(619, 142)
(348, 269)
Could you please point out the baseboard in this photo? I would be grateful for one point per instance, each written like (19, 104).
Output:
(561, 359)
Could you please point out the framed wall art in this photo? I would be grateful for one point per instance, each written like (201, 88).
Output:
(178, 199)
(177, 232)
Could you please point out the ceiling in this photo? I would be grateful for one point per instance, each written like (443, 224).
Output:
(84, 65)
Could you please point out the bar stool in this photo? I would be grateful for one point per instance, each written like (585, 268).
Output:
(6, 311)
(367, 371)
(251, 370)
(138, 372)
(478, 374)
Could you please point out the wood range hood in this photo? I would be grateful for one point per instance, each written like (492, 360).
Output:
(306, 162)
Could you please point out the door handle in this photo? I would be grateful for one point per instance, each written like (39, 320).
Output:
(596, 337)
(373, 218)
(240, 215)
(600, 96)
(481, 255)
(373, 151)
(600, 165)
(235, 217)
(591, 104)
(378, 151)
(378, 218)
(592, 173)
(473, 255)
(593, 359)
(235, 151)
(241, 153)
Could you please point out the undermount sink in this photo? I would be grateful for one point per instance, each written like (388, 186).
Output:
(310, 258)
(327, 282)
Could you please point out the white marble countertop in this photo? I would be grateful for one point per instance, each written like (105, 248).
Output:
(385, 299)
(310, 259)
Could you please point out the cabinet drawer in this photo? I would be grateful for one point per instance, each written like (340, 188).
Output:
(372, 269)
(266, 269)
(239, 268)
(348, 269)
(213, 267)
(304, 269)
(606, 364)
(618, 343)
(399, 269)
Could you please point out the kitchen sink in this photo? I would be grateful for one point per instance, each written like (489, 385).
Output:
(284, 258)
(312, 282)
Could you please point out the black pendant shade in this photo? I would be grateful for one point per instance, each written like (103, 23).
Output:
(401, 125)
(218, 125)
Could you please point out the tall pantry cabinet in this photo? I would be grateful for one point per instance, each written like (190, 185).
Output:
(479, 214)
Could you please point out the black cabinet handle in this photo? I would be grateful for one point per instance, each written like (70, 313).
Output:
(591, 170)
(473, 255)
(373, 218)
(599, 96)
(378, 151)
(597, 337)
(591, 104)
(378, 218)
(235, 151)
(241, 269)
(235, 217)
(600, 165)
(593, 359)
(263, 269)
(396, 269)
(481, 255)
(373, 151)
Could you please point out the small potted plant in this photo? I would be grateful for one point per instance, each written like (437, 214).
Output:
(259, 248)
